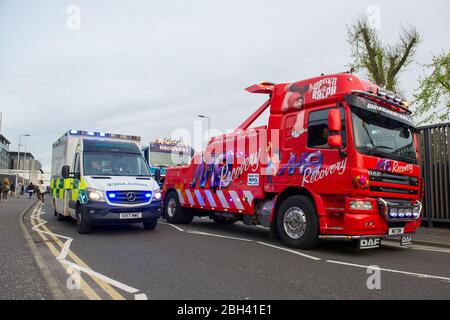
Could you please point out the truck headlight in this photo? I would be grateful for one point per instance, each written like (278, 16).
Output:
(361, 205)
(157, 195)
(95, 195)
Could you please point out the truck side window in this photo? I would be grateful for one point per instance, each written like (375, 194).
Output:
(318, 129)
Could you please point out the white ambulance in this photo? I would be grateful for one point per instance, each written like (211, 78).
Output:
(102, 178)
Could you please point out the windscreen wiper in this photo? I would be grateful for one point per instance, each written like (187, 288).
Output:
(384, 147)
(373, 152)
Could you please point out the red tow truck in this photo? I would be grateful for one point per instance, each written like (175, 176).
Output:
(338, 160)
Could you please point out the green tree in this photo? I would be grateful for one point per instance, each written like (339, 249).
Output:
(381, 63)
(433, 94)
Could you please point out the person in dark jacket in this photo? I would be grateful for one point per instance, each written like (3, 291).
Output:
(31, 188)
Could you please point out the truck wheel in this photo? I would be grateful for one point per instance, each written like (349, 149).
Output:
(174, 212)
(223, 221)
(297, 222)
(82, 226)
(150, 225)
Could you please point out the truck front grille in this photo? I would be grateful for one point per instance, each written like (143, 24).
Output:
(379, 176)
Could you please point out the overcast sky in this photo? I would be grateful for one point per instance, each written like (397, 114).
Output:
(148, 67)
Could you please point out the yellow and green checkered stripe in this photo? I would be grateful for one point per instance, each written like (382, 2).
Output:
(78, 188)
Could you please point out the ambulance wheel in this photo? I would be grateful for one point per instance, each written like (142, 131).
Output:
(223, 221)
(297, 222)
(174, 212)
(82, 226)
(60, 217)
(150, 225)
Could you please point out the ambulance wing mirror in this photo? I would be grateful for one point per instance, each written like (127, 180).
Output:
(65, 172)
(158, 174)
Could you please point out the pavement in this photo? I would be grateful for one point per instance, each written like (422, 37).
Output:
(20, 277)
(203, 260)
(433, 236)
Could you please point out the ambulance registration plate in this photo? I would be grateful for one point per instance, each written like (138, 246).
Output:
(131, 215)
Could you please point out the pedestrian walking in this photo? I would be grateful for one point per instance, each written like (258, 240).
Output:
(12, 193)
(41, 191)
(1, 191)
(6, 188)
(31, 188)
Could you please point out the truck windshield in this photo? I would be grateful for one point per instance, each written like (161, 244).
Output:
(114, 164)
(381, 136)
(164, 159)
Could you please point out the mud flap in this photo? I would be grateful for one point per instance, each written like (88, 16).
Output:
(406, 240)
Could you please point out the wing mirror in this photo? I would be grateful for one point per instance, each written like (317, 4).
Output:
(65, 172)
(158, 174)
(335, 128)
(335, 141)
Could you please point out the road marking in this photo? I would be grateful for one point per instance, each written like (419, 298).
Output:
(419, 275)
(87, 289)
(312, 257)
(217, 235)
(289, 250)
(174, 226)
(61, 257)
(105, 286)
(191, 231)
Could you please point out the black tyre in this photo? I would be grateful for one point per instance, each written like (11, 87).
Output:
(223, 221)
(297, 222)
(150, 225)
(174, 212)
(60, 217)
(82, 226)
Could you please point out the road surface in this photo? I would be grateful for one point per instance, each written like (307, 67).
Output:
(203, 260)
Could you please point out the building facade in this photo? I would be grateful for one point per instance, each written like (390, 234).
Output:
(4, 152)
(27, 161)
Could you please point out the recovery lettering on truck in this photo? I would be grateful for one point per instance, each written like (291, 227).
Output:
(102, 178)
(338, 159)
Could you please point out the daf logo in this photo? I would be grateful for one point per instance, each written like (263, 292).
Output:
(131, 196)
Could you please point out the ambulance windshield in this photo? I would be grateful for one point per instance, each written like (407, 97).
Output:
(378, 135)
(114, 164)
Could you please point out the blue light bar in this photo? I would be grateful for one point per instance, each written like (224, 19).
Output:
(103, 135)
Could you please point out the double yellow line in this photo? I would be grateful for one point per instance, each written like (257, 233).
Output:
(87, 289)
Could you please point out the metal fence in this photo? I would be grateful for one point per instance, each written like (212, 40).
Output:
(435, 157)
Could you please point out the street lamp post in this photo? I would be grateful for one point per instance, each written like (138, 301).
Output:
(209, 124)
(18, 162)
(24, 164)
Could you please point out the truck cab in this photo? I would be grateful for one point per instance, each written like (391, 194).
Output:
(338, 160)
(163, 153)
(100, 178)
